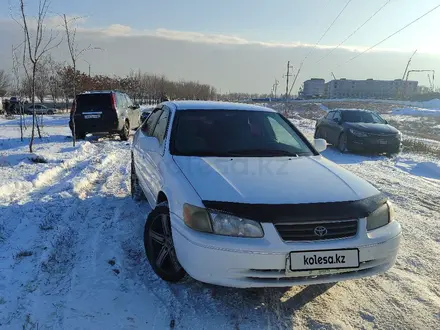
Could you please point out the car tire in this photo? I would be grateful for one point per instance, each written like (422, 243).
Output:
(342, 143)
(159, 245)
(136, 190)
(80, 136)
(50, 112)
(125, 133)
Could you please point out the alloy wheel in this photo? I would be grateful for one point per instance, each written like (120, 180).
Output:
(162, 246)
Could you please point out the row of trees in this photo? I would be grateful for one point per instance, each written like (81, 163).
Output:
(57, 81)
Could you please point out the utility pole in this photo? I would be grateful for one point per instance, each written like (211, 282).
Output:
(90, 66)
(274, 88)
(287, 75)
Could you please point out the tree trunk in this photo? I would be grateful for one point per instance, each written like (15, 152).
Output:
(74, 105)
(20, 108)
(31, 143)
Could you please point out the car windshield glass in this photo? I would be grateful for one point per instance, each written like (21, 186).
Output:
(362, 117)
(225, 133)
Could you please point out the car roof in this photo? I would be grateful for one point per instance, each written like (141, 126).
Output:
(347, 110)
(100, 92)
(215, 105)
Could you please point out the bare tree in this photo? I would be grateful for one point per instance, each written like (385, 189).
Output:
(36, 45)
(17, 88)
(75, 54)
(4, 82)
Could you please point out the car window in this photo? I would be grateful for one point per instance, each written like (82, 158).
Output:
(330, 115)
(337, 115)
(129, 101)
(354, 116)
(161, 126)
(94, 102)
(235, 133)
(149, 125)
(282, 134)
(120, 100)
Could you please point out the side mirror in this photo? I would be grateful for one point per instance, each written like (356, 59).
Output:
(320, 144)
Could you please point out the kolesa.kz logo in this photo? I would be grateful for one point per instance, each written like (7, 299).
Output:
(314, 260)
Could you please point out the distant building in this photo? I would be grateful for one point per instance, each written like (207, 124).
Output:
(381, 89)
(314, 87)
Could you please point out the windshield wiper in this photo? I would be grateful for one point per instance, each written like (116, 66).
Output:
(261, 152)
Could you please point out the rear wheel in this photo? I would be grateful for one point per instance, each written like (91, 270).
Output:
(159, 245)
(125, 131)
(342, 142)
(80, 135)
(50, 112)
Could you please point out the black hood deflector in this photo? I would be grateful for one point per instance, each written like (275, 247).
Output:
(279, 213)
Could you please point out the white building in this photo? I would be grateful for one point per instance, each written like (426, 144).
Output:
(383, 89)
(314, 87)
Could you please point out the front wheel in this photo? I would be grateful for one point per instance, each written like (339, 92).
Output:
(159, 245)
(342, 143)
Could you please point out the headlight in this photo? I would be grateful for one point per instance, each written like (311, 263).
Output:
(197, 218)
(229, 225)
(381, 217)
(358, 133)
(200, 219)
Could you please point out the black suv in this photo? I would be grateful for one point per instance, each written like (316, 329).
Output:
(110, 112)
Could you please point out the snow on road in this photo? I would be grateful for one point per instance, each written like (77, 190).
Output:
(71, 251)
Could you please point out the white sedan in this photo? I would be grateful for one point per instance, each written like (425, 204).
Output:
(241, 198)
(41, 110)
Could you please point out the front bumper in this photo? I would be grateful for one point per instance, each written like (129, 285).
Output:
(252, 262)
(373, 144)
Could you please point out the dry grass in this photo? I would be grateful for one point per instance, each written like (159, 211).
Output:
(38, 160)
(420, 147)
(23, 254)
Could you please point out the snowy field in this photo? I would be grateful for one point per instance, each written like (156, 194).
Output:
(71, 250)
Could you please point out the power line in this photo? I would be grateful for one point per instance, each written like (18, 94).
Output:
(392, 35)
(326, 31)
(355, 31)
(319, 41)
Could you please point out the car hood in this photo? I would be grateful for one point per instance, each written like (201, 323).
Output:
(373, 128)
(272, 180)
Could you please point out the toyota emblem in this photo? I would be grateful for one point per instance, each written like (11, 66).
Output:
(320, 231)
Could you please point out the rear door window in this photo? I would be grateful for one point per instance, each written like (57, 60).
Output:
(149, 125)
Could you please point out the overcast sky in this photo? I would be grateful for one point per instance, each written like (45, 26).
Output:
(242, 45)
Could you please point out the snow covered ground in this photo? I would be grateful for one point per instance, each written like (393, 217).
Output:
(71, 251)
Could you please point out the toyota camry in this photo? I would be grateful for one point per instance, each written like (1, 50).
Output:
(241, 198)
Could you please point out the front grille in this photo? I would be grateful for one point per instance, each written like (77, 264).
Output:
(315, 231)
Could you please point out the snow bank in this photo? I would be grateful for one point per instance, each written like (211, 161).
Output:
(322, 106)
(433, 104)
(416, 112)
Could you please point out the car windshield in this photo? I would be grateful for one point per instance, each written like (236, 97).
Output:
(362, 117)
(233, 133)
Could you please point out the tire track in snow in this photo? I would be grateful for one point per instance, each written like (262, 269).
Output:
(17, 191)
(65, 235)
